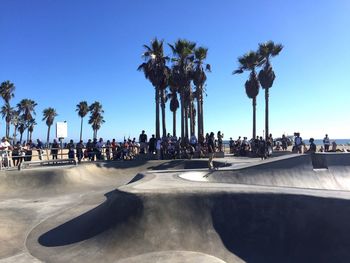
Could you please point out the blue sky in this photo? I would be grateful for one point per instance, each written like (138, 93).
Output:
(62, 52)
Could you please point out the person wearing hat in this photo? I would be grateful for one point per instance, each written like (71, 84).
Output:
(312, 147)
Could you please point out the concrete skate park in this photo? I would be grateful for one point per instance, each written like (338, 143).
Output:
(291, 208)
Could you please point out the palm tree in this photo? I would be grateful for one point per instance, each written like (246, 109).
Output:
(249, 62)
(96, 118)
(266, 75)
(6, 113)
(6, 90)
(157, 73)
(49, 115)
(182, 76)
(26, 107)
(199, 78)
(82, 109)
(31, 125)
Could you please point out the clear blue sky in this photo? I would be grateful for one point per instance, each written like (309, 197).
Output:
(62, 52)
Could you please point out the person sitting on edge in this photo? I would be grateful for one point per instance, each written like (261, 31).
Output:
(312, 148)
(334, 146)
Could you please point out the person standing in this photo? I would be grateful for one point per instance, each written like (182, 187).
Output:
(143, 142)
(298, 143)
(220, 137)
(39, 147)
(5, 148)
(54, 149)
(80, 150)
(284, 143)
(211, 150)
(70, 147)
(152, 145)
(326, 143)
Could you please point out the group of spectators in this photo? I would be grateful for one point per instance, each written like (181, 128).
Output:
(256, 147)
(167, 147)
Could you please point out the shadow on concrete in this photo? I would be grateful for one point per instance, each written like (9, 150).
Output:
(283, 228)
(122, 164)
(117, 209)
(138, 177)
(185, 164)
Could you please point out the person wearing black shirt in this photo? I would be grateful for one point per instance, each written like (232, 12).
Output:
(143, 142)
(211, 150)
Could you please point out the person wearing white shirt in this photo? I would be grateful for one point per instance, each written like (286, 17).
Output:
(5, 147)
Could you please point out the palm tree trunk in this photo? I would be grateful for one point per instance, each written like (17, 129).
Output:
(163, 111)
(20, 138)
(199, 110)
(81, 129)
(174, 123)
(157, 112)
(202, 119)
(186, 121)
(48, 134)
(182, 115)
(15, 135)
(266, 113)
(7, 129)
(191, 119)
(254, 117)
(30, 135)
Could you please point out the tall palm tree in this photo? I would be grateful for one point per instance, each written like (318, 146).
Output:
(156, 71)
(83, 110)
(249, 62)
(49, 115)
(96, 118)
(7, 90)
(6, 113)
(182, 76)
(267, 75)
(26, 107)
(199, 78)
(31, 125)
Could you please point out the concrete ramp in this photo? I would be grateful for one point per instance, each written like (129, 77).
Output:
(276, 211)
(205, 227)
(317, 171)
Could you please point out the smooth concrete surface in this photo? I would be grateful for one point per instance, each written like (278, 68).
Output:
(290, 209)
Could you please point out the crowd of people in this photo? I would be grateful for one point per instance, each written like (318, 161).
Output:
(167, 147)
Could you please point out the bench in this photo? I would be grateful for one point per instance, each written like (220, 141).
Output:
(26, 164)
